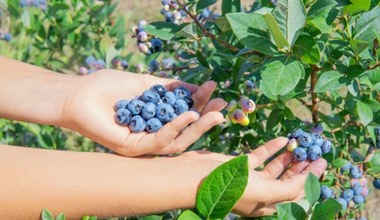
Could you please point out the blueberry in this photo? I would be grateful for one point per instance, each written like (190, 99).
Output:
(135, 106)
(346, 167)
(348, 194)
(326, 192)
(153, 125)
(318, 129)
(142, 36)
(205, 13)
(7, 37)
(150, 96)
(124, 64)
(300, 154)
(180, 106)
(317, 139)
(357, 189)
(377, 132)
(169, 98)
(376, 183)
(137, 124)
(156, 44)
(159, 89)
(123, 116)
(305, 139)
(181, 91)
(121, 104)
(343, 202)
(148, 111)
(314, 152)
(166, 2)
(326, 146)
(189, 101)
(355, 172)
(90, 61)
(297, 133)
(165, 113)
(154, 65)
(358, 199)
(144, 49)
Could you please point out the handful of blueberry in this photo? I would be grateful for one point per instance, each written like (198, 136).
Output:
(153, 109)
(309, 146)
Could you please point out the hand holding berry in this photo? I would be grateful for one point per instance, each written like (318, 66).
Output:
(89, 110)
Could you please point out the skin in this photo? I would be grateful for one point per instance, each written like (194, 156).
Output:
(69, 182)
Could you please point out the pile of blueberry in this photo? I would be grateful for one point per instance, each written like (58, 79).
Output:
(309, 146)
(93, 65)
(146, 43)
(153, 109)
(238, 111)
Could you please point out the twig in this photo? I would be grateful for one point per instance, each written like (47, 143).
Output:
(179, 68)
(374, 66)
(264, 105)
(304, 103)
(314, 97)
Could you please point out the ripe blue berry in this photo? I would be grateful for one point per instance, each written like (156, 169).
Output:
(181, 92)
(305, 139)
(318, 129)
(135, 106)
(154, 65)
(314, 152)
(296, 133)
(159, 89)
(355, 172)
(300, 154)
(189, 101)
(348, 194)
(150, 96)
(343, 202)
(90, 61)
(346, 167)
(317, 139)
(123, 116)
(358, 199)
(137, 124)
(7, 37)
(357, 189)
(377, 132)
(148, 111)
(376, 183)
(180, 106)
(165, 113)
(121, 104)
(124, 64)
(326, 192)
(326, 146)
(153, 125)
(156, 44)
(169, 98)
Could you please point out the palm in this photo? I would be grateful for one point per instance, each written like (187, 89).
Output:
(89, 110)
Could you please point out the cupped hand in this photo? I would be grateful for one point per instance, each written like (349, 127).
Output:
(281, 180)
(89, 110)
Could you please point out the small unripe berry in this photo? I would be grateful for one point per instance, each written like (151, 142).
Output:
(232, 105)
(144, 48)
(139, 68)
(83, 70)
(247, 105)
(292, 145)
(237, 116)
(248, 84)
(142, 36)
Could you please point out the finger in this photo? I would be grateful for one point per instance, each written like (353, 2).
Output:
(264, 211)
(316, 167)
(261, 154)
(203, 94)
(215, 105)
(295, 168)
(192, 133)
(278, 165)
(150, 143)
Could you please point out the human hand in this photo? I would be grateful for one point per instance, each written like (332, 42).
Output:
(89, 110)
(281, 179)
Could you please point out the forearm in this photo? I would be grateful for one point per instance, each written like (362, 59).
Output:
(92, 183)
(29, 93)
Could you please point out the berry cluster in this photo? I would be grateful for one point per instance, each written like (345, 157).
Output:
(93, 65)
(119, 64)
(238, 112)
(154, 108)
(350, 196)
(146, 43)
(170, 10)
(41, 4)
(309, 146)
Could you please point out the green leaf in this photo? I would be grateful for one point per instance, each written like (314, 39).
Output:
(220, 191)
(61, 216)
(162, 30)
(223, 24)
(282, 75)
(358, 46)
(290, 211)
(229, 6)
(277, 35)
(189, 31)
(312, 189)
(321, 8)
(326, 210)
(274, 118)
(365, 112)
(291, 17)
(357, 6)
(339, 162)
(202, 4)
(251, 30)
(46, 215)
(320, 24)
(189, 215)
(368, 25)
(329, 81)
(307, 49)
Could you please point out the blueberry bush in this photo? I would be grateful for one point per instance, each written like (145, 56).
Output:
(307, 68)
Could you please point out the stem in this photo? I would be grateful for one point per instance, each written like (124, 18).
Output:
(314, 97)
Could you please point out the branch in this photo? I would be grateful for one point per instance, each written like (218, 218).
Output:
(179, 68)
(314, 97)
(374, 66)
